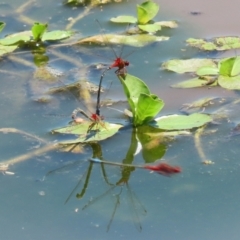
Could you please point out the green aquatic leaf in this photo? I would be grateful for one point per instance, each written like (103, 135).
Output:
(219, 43)
(2, 26)
(124, 19)
(231, 83)
(98, 133)
(168, 24)
(188, 65)
(147, 11)
(151, 28)
(192, 83)
(133, 87)
(7, 49)
(207, 71)
(148, 106)
(38, 29)
(56, 35)
(229, 66)
(16, 38)
(181, 122)
(133, 40)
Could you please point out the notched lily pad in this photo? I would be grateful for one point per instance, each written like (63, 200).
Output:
(133, 40)
(188, 65)
(181, 122)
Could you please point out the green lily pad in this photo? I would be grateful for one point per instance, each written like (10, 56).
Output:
(124, 19)
(7, 49)
(151, 28)
(207, 71)
(56, 35)
(168, 24)
(231, 83)
(98, 133)
(188, 65)
(192, 83)
(133, 40)
(181, 122)
(15, 38)
(147, 11)
(219, 43)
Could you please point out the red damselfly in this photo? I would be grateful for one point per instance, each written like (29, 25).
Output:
(118, 63)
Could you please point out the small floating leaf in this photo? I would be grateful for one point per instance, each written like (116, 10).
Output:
(231, 83)
(7, 49)
(151, 28)
(15, 38)
(192, 83)
(181, 122)
(124, 19)
(207, 71)
(188, 65)
(133, 40)
(98, 133)
(219, 43)
(169, 24)
(56, 35)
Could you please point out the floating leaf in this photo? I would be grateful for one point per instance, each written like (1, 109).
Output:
(2, 26)
(147, 11)
(98, 133)
(207, 71)
(124, 19)
(56, 35)
(133, 40)
(169, 24)
(181, 122)
(188, 65)
(7, 49)
(38, 29)
(219, 43)
(231, 83)
(192, 83)
(151, 28)
(15, 38)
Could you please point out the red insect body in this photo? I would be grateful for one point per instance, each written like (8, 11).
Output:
(119, 63)
(164, 169)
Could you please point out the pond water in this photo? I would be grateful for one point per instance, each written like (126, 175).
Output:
(82, 200)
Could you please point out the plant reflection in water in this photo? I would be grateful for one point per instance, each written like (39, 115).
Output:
(115, 190)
